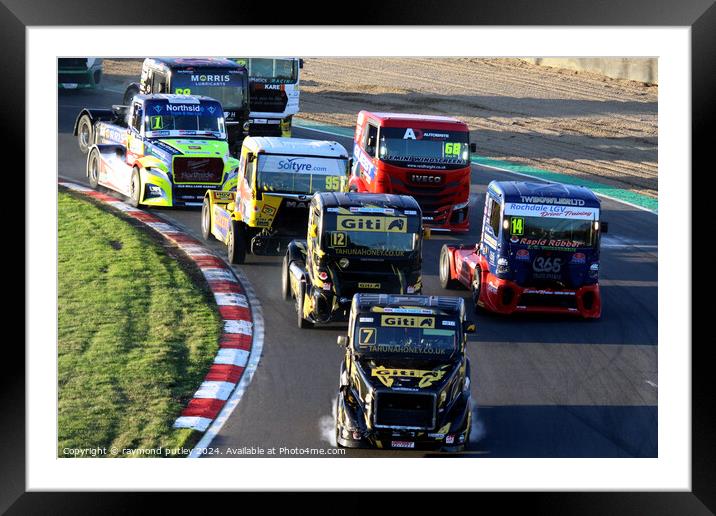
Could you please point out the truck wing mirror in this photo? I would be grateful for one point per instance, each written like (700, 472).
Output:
(473, 147)
(342, 341)
(468, 327)
(231, 207)
(605, 227)
(251, 157)
(300, 63)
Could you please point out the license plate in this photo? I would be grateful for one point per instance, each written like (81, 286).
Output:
(69, 85)
(402, 444)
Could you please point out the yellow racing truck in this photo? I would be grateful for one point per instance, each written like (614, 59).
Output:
(265, 205)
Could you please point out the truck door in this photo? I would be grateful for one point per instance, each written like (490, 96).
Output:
(135, 142)
(491, 230)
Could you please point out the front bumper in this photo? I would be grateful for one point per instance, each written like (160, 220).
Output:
(452, 431)
(507, 297)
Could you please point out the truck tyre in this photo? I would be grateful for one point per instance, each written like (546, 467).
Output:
(85, 133)
(285, 279)
(93, 168)
(302, 323)
(476, 287)
(206, 219)
(445, 280)
(135, 188)
(236, 245)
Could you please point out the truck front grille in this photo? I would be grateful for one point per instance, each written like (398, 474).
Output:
(198, 170)
(405, 410)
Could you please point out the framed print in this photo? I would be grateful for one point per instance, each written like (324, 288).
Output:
(229, 283)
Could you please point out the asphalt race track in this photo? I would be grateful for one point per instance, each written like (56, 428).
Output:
(544, 386)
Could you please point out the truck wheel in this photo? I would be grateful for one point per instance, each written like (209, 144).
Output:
(476, 287)
(445, 280)
(206, 219)
(135, 188)
(302, 323)
(237, 242)
(285, 280)
(85, 133)
(93, 168)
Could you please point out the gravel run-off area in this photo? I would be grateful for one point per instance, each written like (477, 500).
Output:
(576, 123)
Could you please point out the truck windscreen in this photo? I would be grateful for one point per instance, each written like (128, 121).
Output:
(423, 146)
(179, 119)
(405, 334)
(562, 233)
(225, 85)
(366, 234)
(300, 175)
(277, 71)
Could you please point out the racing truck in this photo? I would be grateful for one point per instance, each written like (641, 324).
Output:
(162, 150)
(538, 251)
(274, 93)
(218, 78)
(404, 378)
(78, 72)
(425, 156)
(266, 201)
(355, 243)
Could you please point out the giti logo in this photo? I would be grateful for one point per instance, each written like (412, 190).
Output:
(386, 375)
(368, 223)
(407, 321)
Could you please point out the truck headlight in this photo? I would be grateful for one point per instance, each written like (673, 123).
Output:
(246, 126)
(594, 270)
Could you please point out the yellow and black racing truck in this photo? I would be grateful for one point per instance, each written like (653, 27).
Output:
(405, 378)
(265, 202)
(355, 243)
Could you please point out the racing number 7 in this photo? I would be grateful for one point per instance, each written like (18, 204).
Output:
(366, 336)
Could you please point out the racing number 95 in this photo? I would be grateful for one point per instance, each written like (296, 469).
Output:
(333, 183)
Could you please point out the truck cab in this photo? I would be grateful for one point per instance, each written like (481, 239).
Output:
(266, 204)
(427, 157)
(161, 150)
(355, 243)
(405, 377)
(218, 78)
(538, 251)
(274, 92)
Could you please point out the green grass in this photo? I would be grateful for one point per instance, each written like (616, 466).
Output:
(136, 334)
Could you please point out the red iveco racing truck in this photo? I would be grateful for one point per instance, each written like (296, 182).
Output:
(427, 157)
(538, 251)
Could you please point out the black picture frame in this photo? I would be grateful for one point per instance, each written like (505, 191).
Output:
(700, 15)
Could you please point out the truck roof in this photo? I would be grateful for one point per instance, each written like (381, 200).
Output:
(453, 305)
(295, 146)
(195, 62)
(517, 191)
(403, 119)
(354, 199)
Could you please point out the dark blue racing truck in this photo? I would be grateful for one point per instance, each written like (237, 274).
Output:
(538, 251)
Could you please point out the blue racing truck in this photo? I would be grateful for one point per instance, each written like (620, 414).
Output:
(538, 251)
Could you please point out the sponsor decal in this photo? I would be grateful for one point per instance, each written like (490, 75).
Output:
(579, 258)
(365, 319)
(387, 376)
(378, 224)
(448, 323)
(552, 211)
(450, 439)
(406, 321)
(368, 285)
(550, 242)
(523, 254)
(533, 199)
(424, 178)
(407, 310)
